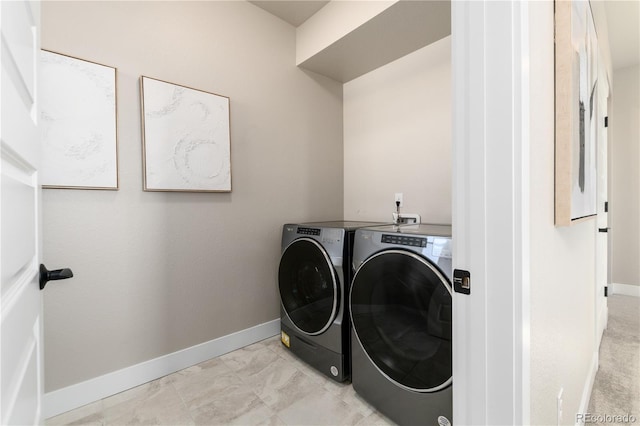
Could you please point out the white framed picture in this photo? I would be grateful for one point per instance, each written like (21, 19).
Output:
(78, 118)
(185, 137)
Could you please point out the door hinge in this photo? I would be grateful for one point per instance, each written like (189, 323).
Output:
(606, 207)
(606, 122)
(606, 291)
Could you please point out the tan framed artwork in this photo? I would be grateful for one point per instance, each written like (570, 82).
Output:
(576, 115)
(186, 139)
(78, 118)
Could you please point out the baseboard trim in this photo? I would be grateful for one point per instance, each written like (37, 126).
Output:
(74, 396)
(625, 289)
(588, 387)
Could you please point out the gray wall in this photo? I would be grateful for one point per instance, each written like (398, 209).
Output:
(158, 272)
(397, 137)
(624, 148)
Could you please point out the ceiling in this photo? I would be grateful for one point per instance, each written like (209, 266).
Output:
(294, 12)
(623, 22)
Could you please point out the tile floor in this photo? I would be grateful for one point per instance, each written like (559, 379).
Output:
(264, 384)
(261, 384)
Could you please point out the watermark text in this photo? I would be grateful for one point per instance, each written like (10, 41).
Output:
(588, 418)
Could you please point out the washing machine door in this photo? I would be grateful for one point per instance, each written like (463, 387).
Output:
(308, 286)
(401, 311)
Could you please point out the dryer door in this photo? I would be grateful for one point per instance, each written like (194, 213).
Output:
(308, 286)
(401, 310)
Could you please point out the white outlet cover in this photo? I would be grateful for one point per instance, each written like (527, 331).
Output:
(398, 197)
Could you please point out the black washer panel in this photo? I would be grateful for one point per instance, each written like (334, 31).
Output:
(401, 310)
(308, 287)
(404, 240)
(308, 231)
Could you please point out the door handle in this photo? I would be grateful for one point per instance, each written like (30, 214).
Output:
(57, 274)
(603, 229)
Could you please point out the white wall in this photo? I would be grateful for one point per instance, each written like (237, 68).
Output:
(598, 9)
(562, 259)
(397, 137)
(158, 272)
(624, 198)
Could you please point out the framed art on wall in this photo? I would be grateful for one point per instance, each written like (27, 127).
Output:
(185, 137)
(78, 118)
(576, 114)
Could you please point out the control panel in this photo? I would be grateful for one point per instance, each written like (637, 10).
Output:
(404, 240)
(308, 231)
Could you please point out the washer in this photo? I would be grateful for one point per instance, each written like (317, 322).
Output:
(401, 313)
(313, 277)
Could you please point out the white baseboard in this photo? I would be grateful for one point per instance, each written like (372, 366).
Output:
(74, 396)
(586, 391)
(625, 289)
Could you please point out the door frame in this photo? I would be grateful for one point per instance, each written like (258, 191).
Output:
(602, 267)
(491, 180)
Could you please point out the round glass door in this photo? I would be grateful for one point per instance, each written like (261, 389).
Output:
(308, 288)
(401, 311)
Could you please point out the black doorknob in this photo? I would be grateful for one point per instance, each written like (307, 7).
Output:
(58, 274)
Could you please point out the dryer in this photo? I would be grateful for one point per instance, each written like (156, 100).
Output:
(313, 278)
(401, 313)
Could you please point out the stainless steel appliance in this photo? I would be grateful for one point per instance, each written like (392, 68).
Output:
(401, 311)
(313, 278)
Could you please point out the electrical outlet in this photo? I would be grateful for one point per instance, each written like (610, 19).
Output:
(560, 406)
(399, 198)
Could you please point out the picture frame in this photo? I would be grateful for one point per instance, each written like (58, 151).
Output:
(78, 118)
(576, 113)
(186, 140)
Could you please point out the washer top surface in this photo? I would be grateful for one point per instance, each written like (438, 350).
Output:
(424, 229)
(349, 225)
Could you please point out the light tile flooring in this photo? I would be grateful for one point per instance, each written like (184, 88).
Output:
(264, 384)
(261, 384)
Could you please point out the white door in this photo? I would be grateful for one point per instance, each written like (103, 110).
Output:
(21, 335)
(602, 239)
